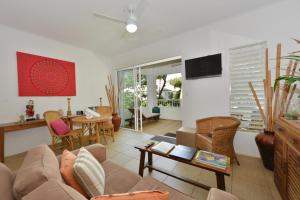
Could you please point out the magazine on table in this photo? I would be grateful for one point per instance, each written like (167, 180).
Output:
(212, 159)
(183, 152)
(163, 147)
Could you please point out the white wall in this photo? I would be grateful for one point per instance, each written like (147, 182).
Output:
(210, 96)
(91, 74)
(173, 113)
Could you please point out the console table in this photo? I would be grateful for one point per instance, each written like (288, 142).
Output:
(17, 126)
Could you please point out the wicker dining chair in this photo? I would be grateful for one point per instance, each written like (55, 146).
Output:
(216, 134)
(51, 116)
(107, 128)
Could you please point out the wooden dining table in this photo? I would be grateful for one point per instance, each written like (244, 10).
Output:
(93, 123)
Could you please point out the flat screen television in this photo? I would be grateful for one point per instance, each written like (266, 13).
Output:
(207, 66)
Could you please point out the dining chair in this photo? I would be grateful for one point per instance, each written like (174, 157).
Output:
(216, 134)
(51, 116)
(106, 128)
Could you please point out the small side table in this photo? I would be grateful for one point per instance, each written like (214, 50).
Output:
(186, 136)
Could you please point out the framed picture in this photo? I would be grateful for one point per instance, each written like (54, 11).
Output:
(42, 76)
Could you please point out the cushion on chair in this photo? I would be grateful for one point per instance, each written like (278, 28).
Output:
(66, 169)
(54, 190)
(40, 165)
(6, 183)
(142, 195)
(89, 173)
(60, 127)
(115, 174)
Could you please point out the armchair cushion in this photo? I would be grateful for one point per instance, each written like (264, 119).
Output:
(60, 127)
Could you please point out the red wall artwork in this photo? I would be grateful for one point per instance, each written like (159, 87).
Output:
(42, 76)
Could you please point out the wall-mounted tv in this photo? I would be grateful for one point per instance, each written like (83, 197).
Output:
(207, 66)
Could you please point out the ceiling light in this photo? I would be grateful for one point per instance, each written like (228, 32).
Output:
(131, 27)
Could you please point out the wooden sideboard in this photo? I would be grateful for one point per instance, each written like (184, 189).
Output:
(287, 159)
(17, 126)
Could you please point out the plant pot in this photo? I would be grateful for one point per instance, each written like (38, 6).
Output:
(116, 120)
(265, 144)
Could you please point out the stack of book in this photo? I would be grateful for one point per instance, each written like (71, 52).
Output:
(183, 152)
(163, 147)
(212, 159)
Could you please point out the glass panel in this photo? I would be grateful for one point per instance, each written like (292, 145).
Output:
(126, 97)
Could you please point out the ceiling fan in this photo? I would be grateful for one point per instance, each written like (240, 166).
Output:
(132, 10)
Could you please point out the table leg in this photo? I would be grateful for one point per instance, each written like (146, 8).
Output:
(1, 145)
(142, 163)
(220, 181)
(150, 160)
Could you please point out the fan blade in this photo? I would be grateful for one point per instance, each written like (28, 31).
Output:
(109, 18)
(138, 6)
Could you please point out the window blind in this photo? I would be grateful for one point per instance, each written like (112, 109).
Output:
(247, 64)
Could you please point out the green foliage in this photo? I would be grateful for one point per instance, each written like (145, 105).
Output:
(176, 82)
(289, 80)
(292, 57)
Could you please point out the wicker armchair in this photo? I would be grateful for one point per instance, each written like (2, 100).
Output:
(107, 128)
(68, 138)
(216, 134)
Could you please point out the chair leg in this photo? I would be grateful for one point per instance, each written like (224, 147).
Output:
(80, 138)
(71, 142)
(112, 134)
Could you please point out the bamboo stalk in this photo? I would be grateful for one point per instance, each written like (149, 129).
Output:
(290, 97)
(277, 74)
(269, 100)
(285, 88)
(257, 101)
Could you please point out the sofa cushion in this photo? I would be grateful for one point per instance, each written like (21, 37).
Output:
(149, 183)
(39, 166)
(89, 173)
(54, 190)
(6, 182)
(67, 171)
(118, 179)
(143, 195)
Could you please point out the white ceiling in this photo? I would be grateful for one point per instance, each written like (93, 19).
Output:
(72, 21)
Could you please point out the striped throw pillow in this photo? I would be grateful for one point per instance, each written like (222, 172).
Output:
(89, 173)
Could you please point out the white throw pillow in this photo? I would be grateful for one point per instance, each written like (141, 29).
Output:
(89, 173)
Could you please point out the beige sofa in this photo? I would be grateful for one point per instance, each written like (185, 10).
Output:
(39, 178)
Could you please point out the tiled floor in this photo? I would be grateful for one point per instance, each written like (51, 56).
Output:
(161, 126)
(248, 181)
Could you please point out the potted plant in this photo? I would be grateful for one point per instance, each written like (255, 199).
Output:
(113, 102)
(265, 139)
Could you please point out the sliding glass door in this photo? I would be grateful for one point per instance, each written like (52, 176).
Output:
(129, 86)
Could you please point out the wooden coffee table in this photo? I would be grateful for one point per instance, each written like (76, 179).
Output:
(220, 173)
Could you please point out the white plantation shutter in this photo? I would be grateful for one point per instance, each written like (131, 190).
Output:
(247, 63)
